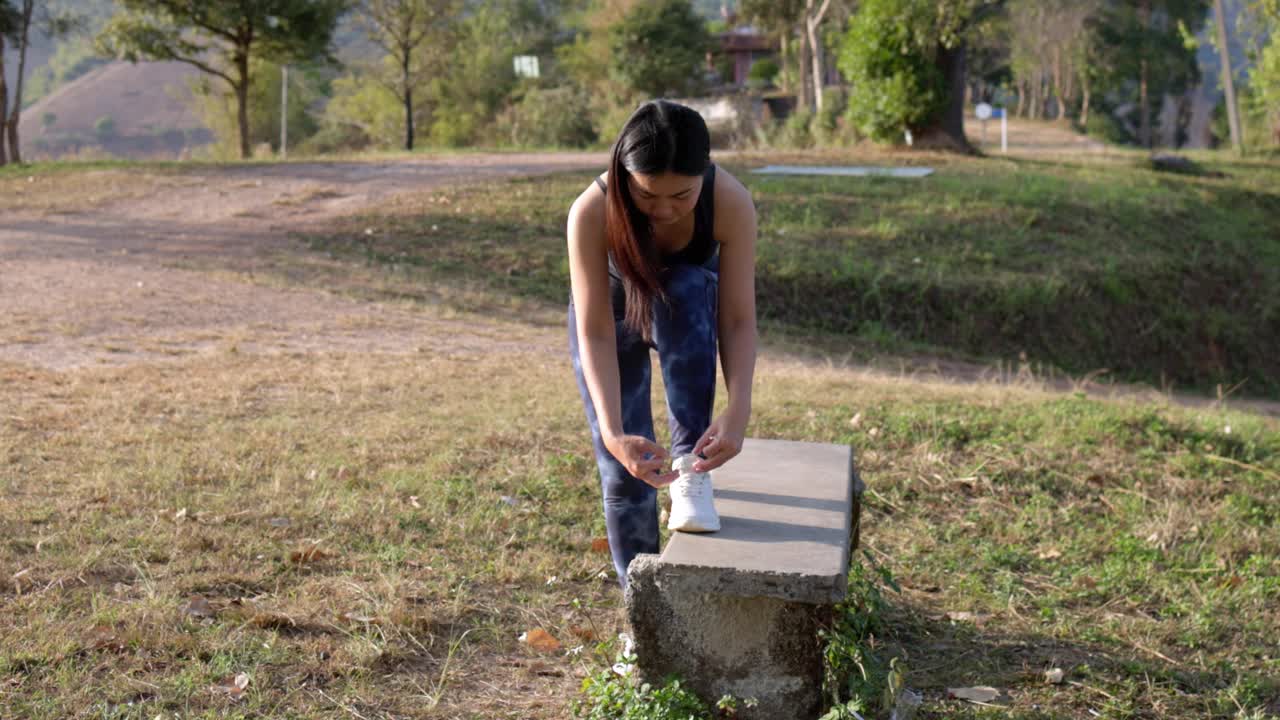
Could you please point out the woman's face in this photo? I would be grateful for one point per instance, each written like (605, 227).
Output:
(665, 198)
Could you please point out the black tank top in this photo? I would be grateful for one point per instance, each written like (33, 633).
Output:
(702, 248)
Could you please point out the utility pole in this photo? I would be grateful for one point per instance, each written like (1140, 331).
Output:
(1228, 82)
(284, 111)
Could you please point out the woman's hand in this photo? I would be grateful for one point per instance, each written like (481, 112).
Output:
(642, 457)
(720, 443)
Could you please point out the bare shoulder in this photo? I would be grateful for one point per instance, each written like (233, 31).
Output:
(586, 215)
(735, 208)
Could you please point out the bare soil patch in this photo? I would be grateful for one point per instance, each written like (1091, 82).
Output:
(111, 268)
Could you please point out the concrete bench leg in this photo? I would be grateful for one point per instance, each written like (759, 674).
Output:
(719, 644)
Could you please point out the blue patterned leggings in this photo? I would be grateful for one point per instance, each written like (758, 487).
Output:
(684, 334)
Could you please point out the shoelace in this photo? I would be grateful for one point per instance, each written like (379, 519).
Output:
(693, 486)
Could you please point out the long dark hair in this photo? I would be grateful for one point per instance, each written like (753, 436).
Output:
(660, 137)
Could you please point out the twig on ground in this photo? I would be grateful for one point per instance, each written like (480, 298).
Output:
(1245, 465)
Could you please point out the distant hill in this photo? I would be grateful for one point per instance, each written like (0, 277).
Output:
(119, 109)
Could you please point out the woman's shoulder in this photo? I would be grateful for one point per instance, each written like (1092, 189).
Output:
(588, 209)
(733, 202)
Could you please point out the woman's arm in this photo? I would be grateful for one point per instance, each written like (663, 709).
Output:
(736, 232)
(597, 343)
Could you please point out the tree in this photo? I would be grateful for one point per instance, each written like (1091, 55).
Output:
(659, 48)
(408, 30)
(814, 13)
(480, 79)
(1049, 48)
(1143, 46)
(10, 21)
(22, 38)
(1261, 30)
(1228, 80)
(219, 37)
(906, 62)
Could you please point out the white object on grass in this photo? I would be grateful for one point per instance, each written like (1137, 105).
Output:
(692, 506)
(845, 171)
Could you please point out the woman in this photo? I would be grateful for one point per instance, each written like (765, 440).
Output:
(662, 256)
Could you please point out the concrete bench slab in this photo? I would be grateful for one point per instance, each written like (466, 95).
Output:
(737, 612)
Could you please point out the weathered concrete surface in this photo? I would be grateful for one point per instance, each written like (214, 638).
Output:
(738, 612)
(760, 647)
(787, 514)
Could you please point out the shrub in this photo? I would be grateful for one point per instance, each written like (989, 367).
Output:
(547, 117)
(795, 131)
(827, 127)
(336, 138)
(105, 127)
(895, 84)
(764, 72)
(659, 48)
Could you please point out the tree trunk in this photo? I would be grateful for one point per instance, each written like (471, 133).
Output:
(1057, 84)
(4, 106)
(15, 116)
(1084, 105)
(786, 57)
(1022, 100)
(946, 132)
(1144, 106)
(242, 103)
(1228, 81)
(408, 118)
(815, 43)
(1037, 97)
(803, 100)
(1144, 99)
(813, 22)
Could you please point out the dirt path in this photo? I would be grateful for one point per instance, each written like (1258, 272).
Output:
(1037, 138)
(163, 267)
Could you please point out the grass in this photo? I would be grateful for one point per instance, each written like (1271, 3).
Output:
(377, 531)
(329, 534)
(1159, 278)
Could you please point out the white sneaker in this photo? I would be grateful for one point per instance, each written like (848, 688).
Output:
(692, 506)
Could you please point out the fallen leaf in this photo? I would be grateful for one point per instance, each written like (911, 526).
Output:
(979, 694)
(600, 545)
(856, 420)
(584, 634)
(104, 638)
(541, 640)
(198, 607)
(180, 515)
(413, 500)
(964, 616)
(309, 554)
(1050, 554)
(1054, 676)
(273, 621)
(232, 687)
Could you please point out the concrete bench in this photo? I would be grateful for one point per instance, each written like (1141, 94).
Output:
(738, 611)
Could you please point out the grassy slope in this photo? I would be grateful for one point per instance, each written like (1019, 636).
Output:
(1163, 278)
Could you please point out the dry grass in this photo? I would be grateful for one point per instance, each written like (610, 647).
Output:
(64, 192)
(371, 533)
